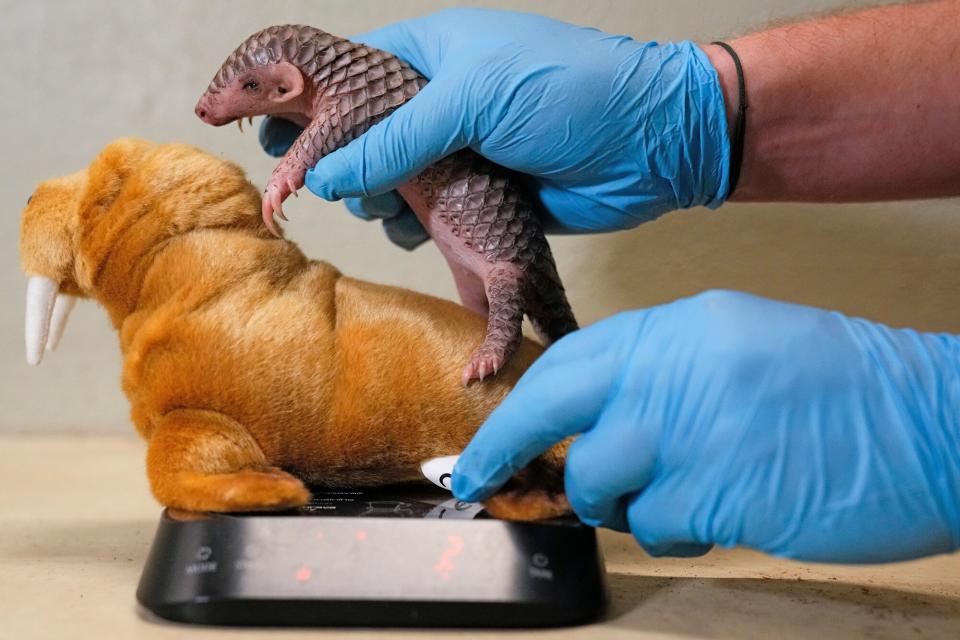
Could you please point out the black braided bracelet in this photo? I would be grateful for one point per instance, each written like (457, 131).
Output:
(740, 124)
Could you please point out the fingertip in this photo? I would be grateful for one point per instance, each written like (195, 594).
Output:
(384, 205)
(405, 230)
(484, 466)
(464, 489)
(276, 135)
(466, 486)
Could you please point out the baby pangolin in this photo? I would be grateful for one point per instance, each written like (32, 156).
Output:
(485, 224)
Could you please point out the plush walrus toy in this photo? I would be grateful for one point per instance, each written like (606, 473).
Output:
(250, 369)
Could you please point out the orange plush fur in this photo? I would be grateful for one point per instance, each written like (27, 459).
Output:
(249, 368)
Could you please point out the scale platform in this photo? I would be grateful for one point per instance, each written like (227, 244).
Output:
(394, 556)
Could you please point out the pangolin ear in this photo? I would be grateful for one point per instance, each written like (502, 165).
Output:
(287, 82)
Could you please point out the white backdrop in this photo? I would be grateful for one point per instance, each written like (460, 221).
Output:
(77, 75)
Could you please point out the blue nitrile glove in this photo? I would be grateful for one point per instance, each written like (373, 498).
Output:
(614, 131)
(399, 222)
(729, 419)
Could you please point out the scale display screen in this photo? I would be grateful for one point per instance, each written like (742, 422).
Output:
(384, 557)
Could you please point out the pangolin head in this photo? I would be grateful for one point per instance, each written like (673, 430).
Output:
(267, 72)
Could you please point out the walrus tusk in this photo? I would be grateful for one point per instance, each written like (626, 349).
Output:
(41, 294)
(62, 307)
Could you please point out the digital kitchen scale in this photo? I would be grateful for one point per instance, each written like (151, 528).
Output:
(399, 556)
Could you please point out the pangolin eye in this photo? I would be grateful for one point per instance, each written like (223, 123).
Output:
(251, 85)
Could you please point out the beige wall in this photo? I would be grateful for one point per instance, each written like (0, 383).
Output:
(79, 74)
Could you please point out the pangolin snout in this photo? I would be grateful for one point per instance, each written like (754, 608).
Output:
(204, 112)
(207, 112)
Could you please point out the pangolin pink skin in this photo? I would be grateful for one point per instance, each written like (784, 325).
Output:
(480, 217)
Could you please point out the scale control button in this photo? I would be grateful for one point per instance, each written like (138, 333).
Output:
(539, 567)
(204, 562)
(249, 557)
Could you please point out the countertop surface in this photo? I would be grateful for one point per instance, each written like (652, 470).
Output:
(76, 521)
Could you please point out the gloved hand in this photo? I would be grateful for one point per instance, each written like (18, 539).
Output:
(613, 131)
(729, 419)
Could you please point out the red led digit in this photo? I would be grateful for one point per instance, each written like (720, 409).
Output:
(445, 564)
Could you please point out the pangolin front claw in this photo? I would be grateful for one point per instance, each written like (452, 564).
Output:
(281, 185)
(276, 200)
(270, 205)
(279, 209)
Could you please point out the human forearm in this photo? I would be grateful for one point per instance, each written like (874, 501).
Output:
(854, 107)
